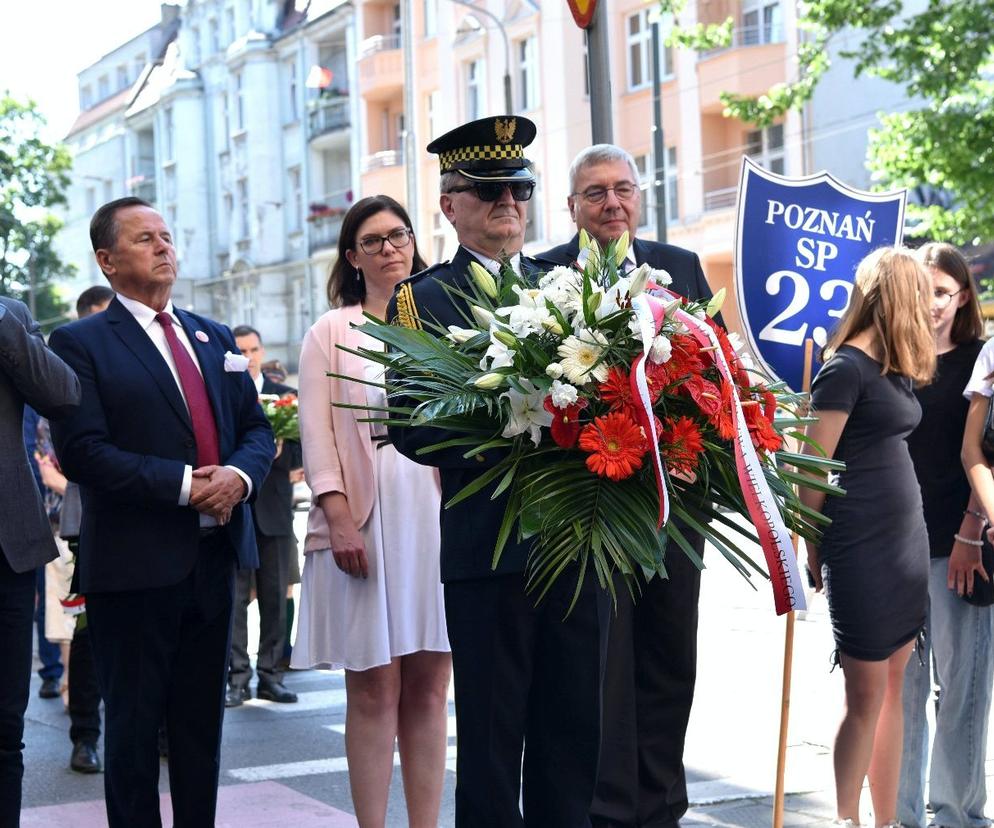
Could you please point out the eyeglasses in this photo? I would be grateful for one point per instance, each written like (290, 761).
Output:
(941, 298)
(492, 190)
(401, 237)
(596, 195)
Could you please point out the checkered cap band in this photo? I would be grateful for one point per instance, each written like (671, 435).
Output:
(449, 158)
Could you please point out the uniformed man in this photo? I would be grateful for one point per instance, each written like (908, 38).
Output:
(525, 679)
(652, 649)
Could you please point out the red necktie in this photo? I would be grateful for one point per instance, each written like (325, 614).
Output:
(195, 391)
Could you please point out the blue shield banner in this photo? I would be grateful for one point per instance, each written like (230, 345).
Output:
(798, 242)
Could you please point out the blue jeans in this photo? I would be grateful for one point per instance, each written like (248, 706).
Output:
(960, 637)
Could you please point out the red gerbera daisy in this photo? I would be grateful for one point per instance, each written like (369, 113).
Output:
(684, 358)
(764, 435)
(616, 390)
(616, 445)
(724, 418)
(681, 444)
(565, 421)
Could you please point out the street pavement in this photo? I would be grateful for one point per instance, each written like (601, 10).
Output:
(283, 763)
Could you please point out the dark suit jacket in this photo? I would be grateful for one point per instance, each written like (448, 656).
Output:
(684, 266)
(129, 443)
(273, 508)
(469, 529)
(29, 374)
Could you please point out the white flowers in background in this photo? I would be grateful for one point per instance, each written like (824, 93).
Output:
(563, 286)
(580, 354)
(523, 320)
(527, 412)
(498, 355)
(483, 317)
(554, 370)
(562, 394)
(661, 277)
(661, 350)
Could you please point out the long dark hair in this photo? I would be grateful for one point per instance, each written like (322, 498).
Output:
(968, 324)
(346, 286)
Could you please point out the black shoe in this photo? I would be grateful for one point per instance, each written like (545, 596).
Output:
(275, 691)
(84, 758)
(236, 695)
(49, 689)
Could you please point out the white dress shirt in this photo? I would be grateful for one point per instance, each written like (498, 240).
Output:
(493, 265)
(145, 317)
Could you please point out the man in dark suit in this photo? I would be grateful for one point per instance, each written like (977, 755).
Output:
(168, 445)
(29, 374)
(526, 677)
(273, 514)
(652, 648)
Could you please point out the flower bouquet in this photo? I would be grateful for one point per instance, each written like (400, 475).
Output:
(282, 414)
(623, 416)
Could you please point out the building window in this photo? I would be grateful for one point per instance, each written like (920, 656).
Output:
(91, 200)
(395, 27)
(672, 186)
(169, 178)
(645, 185)
(437, 237)
(765, 147)
(761, 22)
(103, 87)
(239, 102)
(139, 64)
(229, 24)
(215, 35)
(86, 97)
(640, 51)
(527, 73)
(296, 200)
(291, 87)
(432, 110)
(195, 46)
(225, 116)
(430, 12)
(474, 90)
(122, 77)
(243, 209)
(167, 133)
(229, 211)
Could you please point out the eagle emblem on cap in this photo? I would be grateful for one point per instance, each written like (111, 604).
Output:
(504, 129)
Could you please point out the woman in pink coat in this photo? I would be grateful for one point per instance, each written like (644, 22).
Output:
(371, 600)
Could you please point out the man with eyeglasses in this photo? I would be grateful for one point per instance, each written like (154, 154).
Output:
(652, 645)
(527, 678)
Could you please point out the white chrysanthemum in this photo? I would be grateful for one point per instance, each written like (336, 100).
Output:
(563, 287)
(527, 412)
(661, 350)
(579, 354)
(557, 274)
(523, 320)
(554, 370)
(563, 394)
(660, 277)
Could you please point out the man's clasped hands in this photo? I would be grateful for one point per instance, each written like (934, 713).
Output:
(216, 490)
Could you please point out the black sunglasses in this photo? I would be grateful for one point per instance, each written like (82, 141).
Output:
(492, 190)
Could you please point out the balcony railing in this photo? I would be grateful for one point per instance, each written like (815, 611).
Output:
(750, 36)
(378, 160)
(720, 199)
(328, 115)
(325, 216)
(378, 43)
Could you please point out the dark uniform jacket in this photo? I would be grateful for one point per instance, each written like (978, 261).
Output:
(469, 529)
(273, 510)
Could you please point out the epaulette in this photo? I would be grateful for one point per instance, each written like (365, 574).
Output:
(407, 308)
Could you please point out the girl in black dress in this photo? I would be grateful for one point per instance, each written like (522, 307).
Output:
(873, 558)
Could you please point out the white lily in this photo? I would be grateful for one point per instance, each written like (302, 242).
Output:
(460, 335)
(527, 412)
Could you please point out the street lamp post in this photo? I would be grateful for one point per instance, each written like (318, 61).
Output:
(508, 104)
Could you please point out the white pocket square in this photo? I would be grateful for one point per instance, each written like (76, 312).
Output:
(235, 362)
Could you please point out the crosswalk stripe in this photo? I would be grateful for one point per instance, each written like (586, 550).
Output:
(311, 767)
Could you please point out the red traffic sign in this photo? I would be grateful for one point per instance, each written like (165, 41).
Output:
(583, 11)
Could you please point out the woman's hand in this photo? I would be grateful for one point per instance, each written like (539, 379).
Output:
(349, 550)
(814, 565)
(964, 562)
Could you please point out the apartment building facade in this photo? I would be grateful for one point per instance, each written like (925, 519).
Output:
(254, 124)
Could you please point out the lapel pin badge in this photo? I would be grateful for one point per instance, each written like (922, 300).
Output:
(201, 336)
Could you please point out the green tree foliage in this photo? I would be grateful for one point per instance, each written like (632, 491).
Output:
(942, 56)
(34, 176)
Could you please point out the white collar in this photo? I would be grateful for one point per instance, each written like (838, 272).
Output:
(142, 313)
(493, 265)
(259, 380)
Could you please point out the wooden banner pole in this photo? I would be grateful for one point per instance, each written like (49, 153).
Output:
(788, 651)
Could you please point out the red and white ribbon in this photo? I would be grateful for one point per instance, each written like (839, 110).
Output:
(778, 549)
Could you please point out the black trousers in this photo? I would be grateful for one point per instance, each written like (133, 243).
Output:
(525, 678)
(271, 581)
(648, 692)
(84, 690)
(163, 653)
(17, 604)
